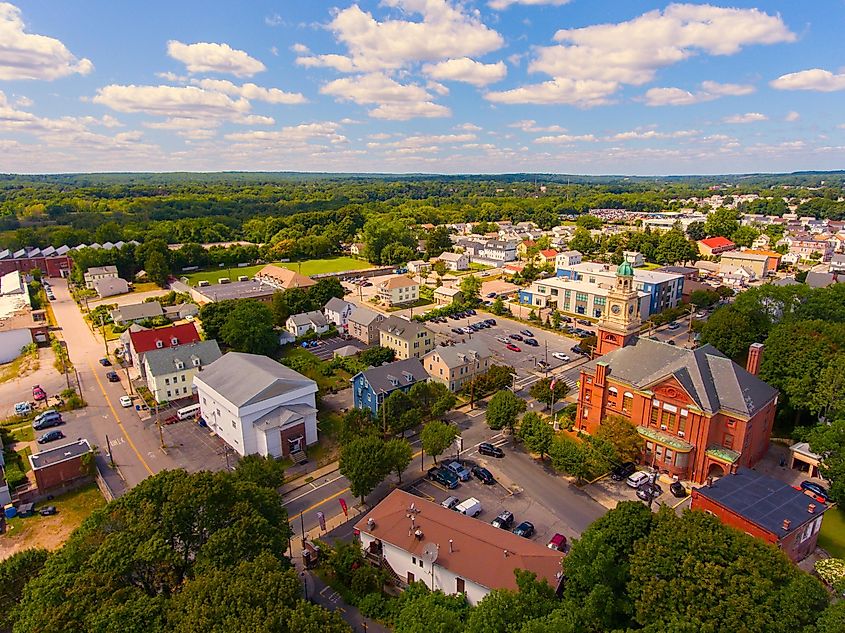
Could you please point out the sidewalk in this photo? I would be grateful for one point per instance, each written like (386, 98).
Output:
(304, 475)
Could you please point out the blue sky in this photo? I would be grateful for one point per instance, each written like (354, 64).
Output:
(438, 86)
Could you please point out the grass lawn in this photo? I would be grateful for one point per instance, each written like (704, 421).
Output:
(23, 364)
(338, 381)
(51, 532)
(145, 287)
(24, 433)
(308, 268)
(648, 266)
(832, 535)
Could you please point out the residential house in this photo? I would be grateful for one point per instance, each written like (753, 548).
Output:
(523, 247)
(283, 278)
(301, 324)
(774, 257)
(135, 312)
(181, 311)
(699, 413)
(62, 466)
(566, 259)
(337, 312)
(418, 267)
(363, 324)
(837, 264)
(808, 246)
(398, 289)
(170, 371)
(258, 406)
(357, 249)
(634, 258)
(715, 246)
(546, 257)
(756, 265)
(762, 241)
(422, 541)
(456, 365)
(454, 261)
(765, 508)
(99, 272)
(110, 286)
(408, 339)
(141, 340)
(371, 387)
(445, 295)
(821, 280)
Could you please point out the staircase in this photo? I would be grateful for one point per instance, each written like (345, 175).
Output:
(298, 458)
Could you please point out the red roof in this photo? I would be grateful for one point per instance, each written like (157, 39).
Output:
(529, 243)
(716, 242)
(549, 253)
(145, 340)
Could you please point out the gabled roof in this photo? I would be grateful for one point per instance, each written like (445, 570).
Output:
(549, 253)
(266, 378)
(479, 552)
(402, 328)
(397, 281)
(102, 270)
(164, 361)
(284, 278)
(448, 256)
(315, 318)
(401, 373)
(336, 305)
(712, 380)
(460, 354)
(145, 340)
(716, 242)
(137, 311)
(363, 316)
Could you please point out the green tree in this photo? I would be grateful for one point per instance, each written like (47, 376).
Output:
(674, 246)
(432, 399)
(437, 436)
(506, 611)
(471, 289)
(376, 356)
(542, 390)
(213, 317)
(503, 410)
(498, 308)
(582, 241)
(440, 268)
(325, 289)
(703, 298)
(722, 223)
(536, 433)
(398, 454)
(262, 471)
(249, 328)
(419, 610)
(829, 396)
(832, 619)
(356, 423)
(588, 222)
(696, 231)
(555, 319)
(363, 461)
(828, 440)
(731, 331)
(618, 431)
(158, 270)
(745, 236)
(15, 572)
(436, 241)
(398, 413)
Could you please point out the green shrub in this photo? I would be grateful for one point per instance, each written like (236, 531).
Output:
(374, 605)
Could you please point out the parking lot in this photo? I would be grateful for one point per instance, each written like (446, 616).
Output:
(325, 349)
(195, 447)
(609, 493)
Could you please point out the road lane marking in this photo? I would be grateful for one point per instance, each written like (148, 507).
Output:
(313, 489)
(117, 419)
(319, 503)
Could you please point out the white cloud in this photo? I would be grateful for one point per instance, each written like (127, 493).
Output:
(467, 70)
(446, 31)
(530, 125)
(748, 117)
(273, 20)
(436, 86)
(814, 79)
(274, 51)
(398, 102)
(650, 134)
(300, 49)
(251, 91)
(207, 57)
(565, 138)
(327, 131)
(468, 127)
(710, 91)
(591, 63)
(501, 5)
(29, 56)
(792, 116)
(23, 102)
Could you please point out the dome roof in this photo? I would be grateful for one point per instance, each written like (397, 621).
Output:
(624, 270)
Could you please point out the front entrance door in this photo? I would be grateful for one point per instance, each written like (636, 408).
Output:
(294, 444)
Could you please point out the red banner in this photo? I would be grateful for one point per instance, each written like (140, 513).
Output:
(343, 506)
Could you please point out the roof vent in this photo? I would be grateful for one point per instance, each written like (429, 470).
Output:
(786, 524)
(507, 553)
(811, 508)
(371, 524)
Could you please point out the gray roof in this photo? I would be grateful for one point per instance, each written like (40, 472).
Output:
(820, 280)
(163, 361)
(283, 416)
(786, 281)
(237, 290)
(266, 378)
(400, 328)
(386, 378)
(713, 380)
(762, 500)
(460, 354)
(59, 454)
(337, 305)
(137, 311)
(101, 270)
(314, 317)
(363, 316)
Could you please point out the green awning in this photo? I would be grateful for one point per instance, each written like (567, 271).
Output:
(666, 439)
(722, 454)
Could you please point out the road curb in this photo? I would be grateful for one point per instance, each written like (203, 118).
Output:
(299, 482)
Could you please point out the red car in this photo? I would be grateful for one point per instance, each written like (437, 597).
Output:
(513, 347)
(38, 393)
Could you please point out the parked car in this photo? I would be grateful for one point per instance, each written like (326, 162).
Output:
(524, 529)
(460, 470)
(485, 448)
(457, 330)
(816, 489)
(125, 402)
(515, 337)
(491, 295)
(46, 419)
(443, 476)
(503, 339)
(560, 356)
(483, 475)
(678, 490)
(532, 342)
(700, 315)
(47, 511)
(51, 436)
(674, 325)
(637, 479)
(579, 350)
(23, 408)
(513, 347)
(566, 319)
(105, 362)
(450, 502)
(490, 322)
(649, 490)
(38, 393)
(543, 365)
(623, 471)
(112, 376)
(471, 312)
(470, 507)
(583, 321)
(526, 332)
(504, 521)
(558, 542)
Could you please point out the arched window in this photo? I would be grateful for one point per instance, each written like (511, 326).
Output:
(627, 402)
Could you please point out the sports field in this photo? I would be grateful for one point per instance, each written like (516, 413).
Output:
(308, 268)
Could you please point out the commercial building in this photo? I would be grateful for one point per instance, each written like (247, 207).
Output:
(417, 540)
(283, 278)
(370, 388)
(754, 265)
(249, 289)
(62, 466)
(456, 365)
(52, 262)
(397, 290)
(715, 246)
(20, 325)
(363, 324)
(258, 406)
(408, 339)
(765, 508)
(575, 297)
(170, 371)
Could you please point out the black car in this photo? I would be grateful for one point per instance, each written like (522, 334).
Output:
(678, 490)
(583, 321)
(483, 475)
(504, 521)
(816, 489)
(515, 337)
(112, 376)
(471, 312)
(622, 471)
(485, 448)
(532, 342)
(579, 350)
(457, 330)
(566, 319)
(490, 322)
(526, 332)
(105, 362)
(443, 476)
(51, 436)
(524, 529)
(47, 511)
(647, 489)
(491, 295)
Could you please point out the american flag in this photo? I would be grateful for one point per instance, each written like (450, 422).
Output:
(552, 384)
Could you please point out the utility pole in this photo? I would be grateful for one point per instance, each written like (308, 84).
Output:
(103, 330)
(128, 380)
(689, 326)
(158, 423)
(108, 447)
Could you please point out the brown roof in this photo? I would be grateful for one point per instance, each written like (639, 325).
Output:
(285, 278)
(478, 547)
(399, 281)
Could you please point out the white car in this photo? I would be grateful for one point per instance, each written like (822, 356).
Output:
(505, 339)
(561, 356)
(637, 479)
(125, 402)
(700, 315)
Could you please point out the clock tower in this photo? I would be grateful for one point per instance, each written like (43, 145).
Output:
(620, 322)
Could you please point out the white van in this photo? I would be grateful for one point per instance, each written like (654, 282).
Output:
(471, 507)
(188, 412)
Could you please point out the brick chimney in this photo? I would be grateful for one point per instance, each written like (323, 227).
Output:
(601, 374)
(755, 355)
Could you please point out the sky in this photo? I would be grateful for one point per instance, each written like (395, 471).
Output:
(628, 87)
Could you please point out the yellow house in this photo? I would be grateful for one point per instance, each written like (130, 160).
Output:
(408, 339)
(398, 289)
(456, 365)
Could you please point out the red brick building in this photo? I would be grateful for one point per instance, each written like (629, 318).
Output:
(50, 261)
(61, 466)
(765, 508)
(715, 245)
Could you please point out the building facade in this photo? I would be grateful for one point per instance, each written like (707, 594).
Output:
(301, 324)
(96, 273)
(370, 388)
(283, 278)
(363, 324)
(337, 312)
(575, 297)
(408, 339)
(170, 371)
(52, 262)
(141, 340)
(454, 261)
(456, 365)
(397, 290)
(715, 246)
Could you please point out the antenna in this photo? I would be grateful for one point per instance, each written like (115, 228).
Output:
(430, 552)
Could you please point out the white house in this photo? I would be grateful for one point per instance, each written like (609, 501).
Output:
(96, 273)
(423, 541)
(418, 266)
(454, 261)
(634, 258)
(257, 405)
(110, 286)
(300, 324)
(567, 259)
(337, 311)
(170, 371)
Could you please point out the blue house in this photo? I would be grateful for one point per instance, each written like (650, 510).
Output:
(371, 387)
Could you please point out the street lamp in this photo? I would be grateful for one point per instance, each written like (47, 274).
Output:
(305, 585)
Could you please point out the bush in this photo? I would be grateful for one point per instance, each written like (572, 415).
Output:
(374, 605)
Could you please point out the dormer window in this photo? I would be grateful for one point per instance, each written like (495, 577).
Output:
(159, 344)
(174, 341)
(179, 364)
(195, 361)
(408, 376)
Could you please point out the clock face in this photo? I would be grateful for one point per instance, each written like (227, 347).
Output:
(615, 309)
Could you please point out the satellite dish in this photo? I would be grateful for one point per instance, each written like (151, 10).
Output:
(430, 552)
